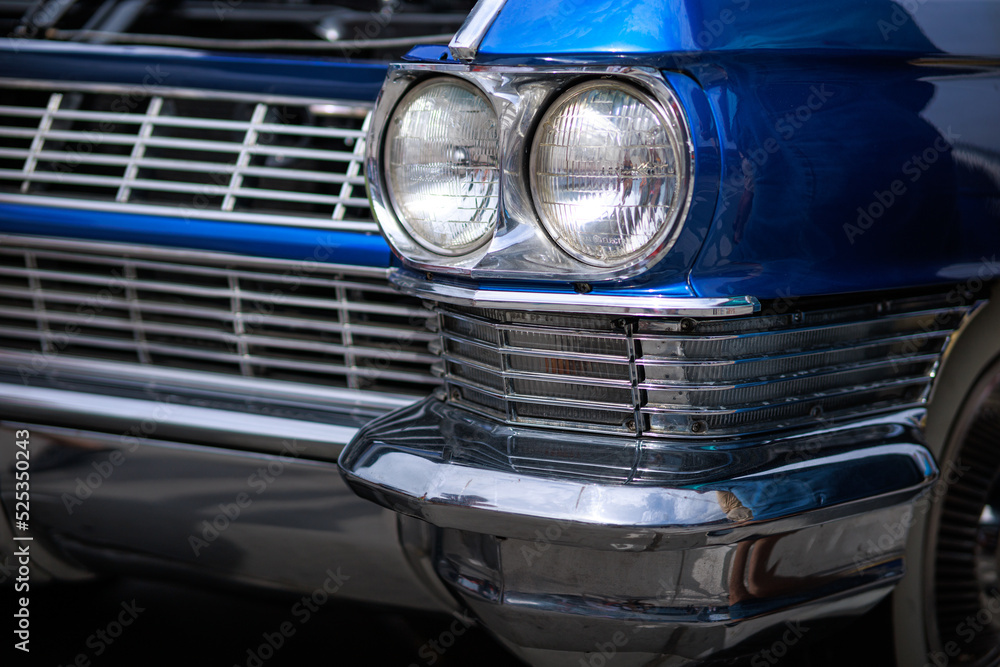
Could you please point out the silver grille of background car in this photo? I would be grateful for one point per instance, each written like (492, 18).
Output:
(194, 154)
(693, 377)
(306, 322)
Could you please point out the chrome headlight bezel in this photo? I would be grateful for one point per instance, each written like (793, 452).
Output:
(394, 197)
(670, 228)
(520, 247)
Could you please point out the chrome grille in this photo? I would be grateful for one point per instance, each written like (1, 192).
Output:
(190, 153)
(305, 322)
(688, 377)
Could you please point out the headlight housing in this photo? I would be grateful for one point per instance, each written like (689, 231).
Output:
(609, 173)
(448, 163)
(442, 166)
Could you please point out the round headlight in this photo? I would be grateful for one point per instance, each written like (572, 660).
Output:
(608, 173)
(442, 158)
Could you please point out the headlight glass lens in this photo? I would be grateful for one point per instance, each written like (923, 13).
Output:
(442, 157)
(608, 169)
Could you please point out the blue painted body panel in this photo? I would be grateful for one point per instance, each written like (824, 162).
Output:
(860, 140)
(840, 146)
(294, 243)
(619, 28)
(838, 178)
(182, 68)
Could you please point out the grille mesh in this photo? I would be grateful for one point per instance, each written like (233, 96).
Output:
(685, 377)
(296, 321)
(199, 154)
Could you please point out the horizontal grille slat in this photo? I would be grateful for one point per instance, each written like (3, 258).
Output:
(643, 377)
(213, 155)
(312, 323)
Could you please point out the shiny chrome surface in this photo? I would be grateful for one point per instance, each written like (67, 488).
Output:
(612, 304)
(689, 549)
(148, 505)
(172, 419)
(455, 470)
(465, 43)
(689, 377)
(520, 247)
(307, 322)
(27, 368)
(159, 151)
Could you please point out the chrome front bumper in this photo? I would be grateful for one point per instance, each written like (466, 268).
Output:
(563, 542)
(169, 473)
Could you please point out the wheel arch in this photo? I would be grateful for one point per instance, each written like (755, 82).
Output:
(973, 352)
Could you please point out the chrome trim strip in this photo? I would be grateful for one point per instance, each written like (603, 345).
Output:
(203, 214)
(156, 377)
(200, 333)
(642, 306)
(558, 401)
(115, 251)
(236, 358)
(465, 44)
(111, 414)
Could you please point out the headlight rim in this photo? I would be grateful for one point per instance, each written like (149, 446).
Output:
(386, 180)
(679, 131)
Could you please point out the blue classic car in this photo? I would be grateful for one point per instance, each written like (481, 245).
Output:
(651, 330)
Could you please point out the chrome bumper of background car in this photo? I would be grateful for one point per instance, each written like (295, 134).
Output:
(148, 477)
(551, 541)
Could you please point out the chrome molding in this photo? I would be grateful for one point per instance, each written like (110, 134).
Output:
(276, 166)
(465, 44)
(133, 418)
(27, 365)
(641, 306)
(520, 248)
